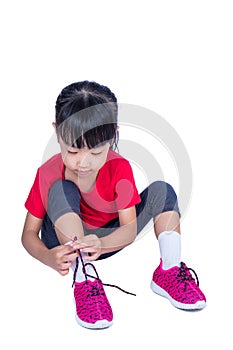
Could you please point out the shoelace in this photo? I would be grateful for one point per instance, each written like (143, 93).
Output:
(183, 275)
(95, 291)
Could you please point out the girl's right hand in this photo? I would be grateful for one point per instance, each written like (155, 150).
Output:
(60, 258)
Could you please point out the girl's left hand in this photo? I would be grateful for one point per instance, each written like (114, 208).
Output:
(89, 244)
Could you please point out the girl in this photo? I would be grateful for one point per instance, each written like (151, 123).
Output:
(85, 204)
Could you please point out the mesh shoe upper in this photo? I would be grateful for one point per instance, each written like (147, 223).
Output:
(92, 304)
(179, 284)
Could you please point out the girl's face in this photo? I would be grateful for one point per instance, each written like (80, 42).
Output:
(84, 162)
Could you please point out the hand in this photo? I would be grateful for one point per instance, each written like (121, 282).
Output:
(89, 244)
(60, 258)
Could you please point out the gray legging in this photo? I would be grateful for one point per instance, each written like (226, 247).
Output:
(64, 197)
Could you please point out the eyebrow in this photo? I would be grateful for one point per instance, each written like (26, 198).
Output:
(71, 148)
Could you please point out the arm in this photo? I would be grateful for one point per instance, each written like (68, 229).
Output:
(58, 258)
(124, 235)
(30, 237)
(120, 238)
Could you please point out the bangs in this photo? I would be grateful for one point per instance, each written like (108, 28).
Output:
(89, 127)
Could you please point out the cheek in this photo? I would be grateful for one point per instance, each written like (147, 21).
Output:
(100, 162)
(68, 162)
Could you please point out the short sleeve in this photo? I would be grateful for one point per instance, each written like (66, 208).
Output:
(126, 193)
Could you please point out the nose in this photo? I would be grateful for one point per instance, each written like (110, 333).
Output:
(83, 161)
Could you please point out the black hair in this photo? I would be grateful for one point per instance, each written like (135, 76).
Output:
(86, 115)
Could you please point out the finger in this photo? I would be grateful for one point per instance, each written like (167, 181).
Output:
(79, 245)
(92, 253)
(70, 256)
(70, 251)
(66, 250)
(66, 265)
(64, 272)
(92, 257)
(90, 249)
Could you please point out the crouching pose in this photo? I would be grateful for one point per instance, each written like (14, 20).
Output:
(84, 206)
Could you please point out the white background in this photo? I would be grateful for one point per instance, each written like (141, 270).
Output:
(173, 57)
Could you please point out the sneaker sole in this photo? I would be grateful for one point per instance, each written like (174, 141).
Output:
(158, 290)
(101, 324)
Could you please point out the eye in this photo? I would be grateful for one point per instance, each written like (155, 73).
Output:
(72, 152)
(96, 154)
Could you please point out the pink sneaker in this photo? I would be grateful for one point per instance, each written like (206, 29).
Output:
(178, 286)
(92, 306)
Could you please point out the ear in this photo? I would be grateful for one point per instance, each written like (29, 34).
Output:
(55, 127)
(115, 137)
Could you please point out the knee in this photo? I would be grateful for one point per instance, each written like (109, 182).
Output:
(163, 191)
(162, 187)
(63, 197)
(63, 188)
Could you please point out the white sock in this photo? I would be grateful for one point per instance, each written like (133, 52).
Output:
(170, 249)
(80, 277)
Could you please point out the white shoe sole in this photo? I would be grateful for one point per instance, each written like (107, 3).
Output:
(158, 290)
(101, 324)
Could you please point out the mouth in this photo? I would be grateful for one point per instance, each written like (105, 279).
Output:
(83, 172)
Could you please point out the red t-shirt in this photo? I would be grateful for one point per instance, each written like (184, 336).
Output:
(114, 190)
